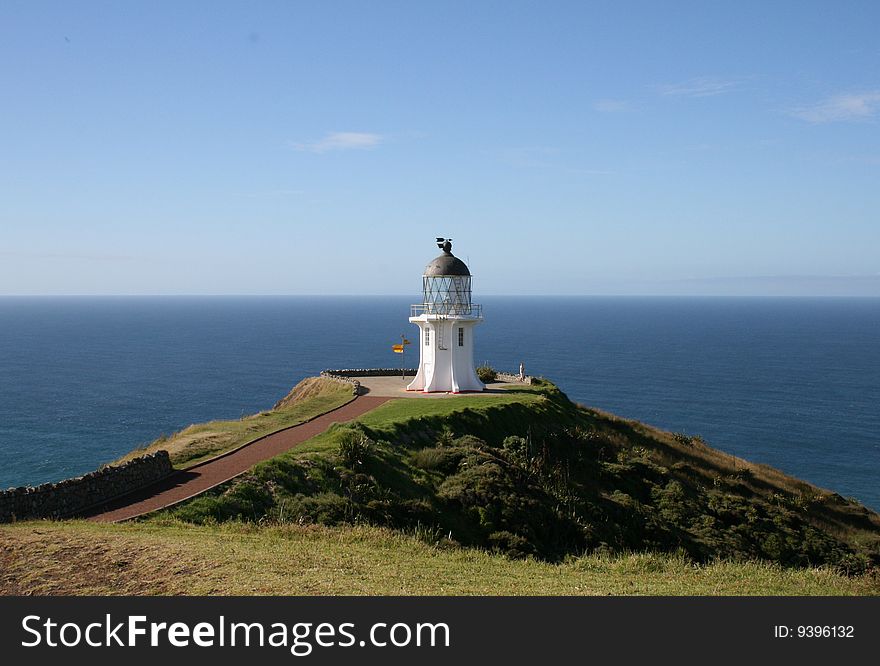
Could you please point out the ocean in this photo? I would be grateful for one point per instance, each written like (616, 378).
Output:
(793, 383)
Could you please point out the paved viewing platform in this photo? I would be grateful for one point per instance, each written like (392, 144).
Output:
(395, 387)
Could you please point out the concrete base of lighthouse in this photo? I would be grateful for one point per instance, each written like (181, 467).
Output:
(446, 357)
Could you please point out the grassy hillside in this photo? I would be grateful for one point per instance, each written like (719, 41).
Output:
(530, 474)
(514, 493)
(309, 398)
(245, 559)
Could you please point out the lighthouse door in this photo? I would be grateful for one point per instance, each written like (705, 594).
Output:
(427, 360)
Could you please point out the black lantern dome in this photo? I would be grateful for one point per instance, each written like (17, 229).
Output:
(446, 263)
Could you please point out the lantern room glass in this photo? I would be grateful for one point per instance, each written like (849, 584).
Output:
(447, 294)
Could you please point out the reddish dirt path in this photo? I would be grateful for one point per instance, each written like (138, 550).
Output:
(199, 478)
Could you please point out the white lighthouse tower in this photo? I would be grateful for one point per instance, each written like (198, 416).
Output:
(446, 319)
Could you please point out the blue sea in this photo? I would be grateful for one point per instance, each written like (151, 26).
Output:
(793, 383)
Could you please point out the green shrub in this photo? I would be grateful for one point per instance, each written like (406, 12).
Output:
(355, 449)
(245, 499)
(670, 500)
(446, 437)
(516, 447)
(487, 374)
(430, 458)
(512, 545)
(323, 509)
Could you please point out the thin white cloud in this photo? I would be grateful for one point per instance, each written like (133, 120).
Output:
(841, 108)
(701, 86)
(340, 141)
(611, 105)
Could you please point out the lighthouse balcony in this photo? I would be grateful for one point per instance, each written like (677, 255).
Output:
(451, 309)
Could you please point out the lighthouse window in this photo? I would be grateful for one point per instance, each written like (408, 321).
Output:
(461, 337)
(427, 337)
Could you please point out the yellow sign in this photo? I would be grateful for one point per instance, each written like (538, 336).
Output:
(397, 349)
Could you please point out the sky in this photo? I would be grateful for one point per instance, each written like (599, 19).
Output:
(711, 148)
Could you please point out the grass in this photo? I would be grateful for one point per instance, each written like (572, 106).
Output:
(245, 559)
(311, 397)
(396, 411)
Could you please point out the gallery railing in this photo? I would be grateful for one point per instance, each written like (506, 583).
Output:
(446, 309)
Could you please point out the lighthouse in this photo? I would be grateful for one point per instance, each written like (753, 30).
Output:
(446, 319)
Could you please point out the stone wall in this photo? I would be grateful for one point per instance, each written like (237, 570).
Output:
(369, 372)
(511, 378)
(348, 375)
(354, 383)
(73, 496)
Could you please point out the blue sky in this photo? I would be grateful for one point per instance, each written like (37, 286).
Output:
(319, 147)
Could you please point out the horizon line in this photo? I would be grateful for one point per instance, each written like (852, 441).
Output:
(388, 295)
